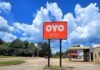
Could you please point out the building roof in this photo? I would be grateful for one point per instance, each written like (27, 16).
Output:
(78, 48)
(97, 48)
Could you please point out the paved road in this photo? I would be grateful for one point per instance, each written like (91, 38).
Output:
(39, 63)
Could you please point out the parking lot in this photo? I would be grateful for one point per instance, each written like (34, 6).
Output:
(39, 63)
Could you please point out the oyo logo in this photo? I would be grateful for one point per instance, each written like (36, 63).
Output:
(54, 28)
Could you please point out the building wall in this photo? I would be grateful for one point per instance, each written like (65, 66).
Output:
(73, 54)
(77, 55)
(96, 54)
(80, 54)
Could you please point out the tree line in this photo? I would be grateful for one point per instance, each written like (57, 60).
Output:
(23, 48)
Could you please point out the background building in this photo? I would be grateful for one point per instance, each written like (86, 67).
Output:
(96, 54)
(79, 53)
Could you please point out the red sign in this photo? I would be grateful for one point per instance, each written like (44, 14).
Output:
(55, 30)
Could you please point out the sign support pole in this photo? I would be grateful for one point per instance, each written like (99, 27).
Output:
(60, 54)
(49, 54)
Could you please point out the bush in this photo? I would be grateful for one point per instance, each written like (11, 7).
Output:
(17, 48)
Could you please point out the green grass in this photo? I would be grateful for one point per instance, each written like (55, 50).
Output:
(7, 56)
(8, 63)
(54, 68)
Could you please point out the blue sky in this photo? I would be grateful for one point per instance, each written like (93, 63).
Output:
(24, 10)
(24, 19)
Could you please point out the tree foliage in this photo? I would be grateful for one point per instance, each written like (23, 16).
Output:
(23, 48)
(17, 48)
(43, 49)
(1, 41)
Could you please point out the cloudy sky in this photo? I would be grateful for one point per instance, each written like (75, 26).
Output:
(24, 19)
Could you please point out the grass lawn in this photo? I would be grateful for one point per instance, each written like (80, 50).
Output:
(7, 56)
(8, 63)
(57, 68)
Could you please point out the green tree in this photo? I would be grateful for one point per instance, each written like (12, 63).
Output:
(4, 48)
(33, 49)
(21, 48)
(1, 41)
(43, 49)
(16, 47)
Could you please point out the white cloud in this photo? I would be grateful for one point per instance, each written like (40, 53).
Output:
(88, 24)
(71, 22)
(87, 14)
(29, 32)
(5, 6)
(95, 45)
(41, 16)
(52, 11)
(7, 37)
(4, 25)
(6, 30)
(26, 28)
(35, 30)
(55, 10)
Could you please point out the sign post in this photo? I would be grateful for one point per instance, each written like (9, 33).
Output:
(55, 30)
(49, 54)
(60, 54)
